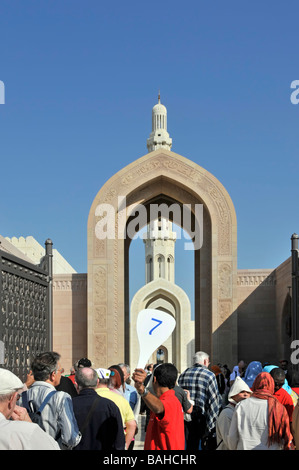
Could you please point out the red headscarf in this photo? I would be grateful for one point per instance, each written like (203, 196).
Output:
(278, 420)
(216, 370)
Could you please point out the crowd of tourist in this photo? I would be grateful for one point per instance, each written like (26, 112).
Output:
(206, 407)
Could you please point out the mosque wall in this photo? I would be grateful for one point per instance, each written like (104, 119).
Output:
(70, 317)
(261, 294)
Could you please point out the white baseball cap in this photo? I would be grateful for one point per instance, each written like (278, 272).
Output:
(103, 373)
(9, 382)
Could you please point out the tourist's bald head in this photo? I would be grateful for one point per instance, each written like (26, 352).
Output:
(86, 377)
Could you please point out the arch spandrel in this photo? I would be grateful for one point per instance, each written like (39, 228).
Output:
(163, 172)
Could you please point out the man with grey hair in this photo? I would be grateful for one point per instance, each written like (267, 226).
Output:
(17, 432)
(130, 392)
(200, 357)
(98, 418)
(203, 388)
(58, 418)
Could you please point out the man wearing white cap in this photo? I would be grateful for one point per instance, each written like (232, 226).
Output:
(126, 411)
(17, 432)
(238, 392)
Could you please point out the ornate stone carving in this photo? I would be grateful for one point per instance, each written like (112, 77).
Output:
(99, 248)
(69, 285)
(100, 318)
(110, 194)
(256, 279)
(224, 226)
(225, 280)
(100, 341)
(202, 180)
(147, 167)
(115, 298)
(225, 310)
(100, 285)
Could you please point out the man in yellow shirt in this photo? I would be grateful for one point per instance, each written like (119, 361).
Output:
(106, 390)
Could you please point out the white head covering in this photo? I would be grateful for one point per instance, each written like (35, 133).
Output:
(9, 382)
(237, 387)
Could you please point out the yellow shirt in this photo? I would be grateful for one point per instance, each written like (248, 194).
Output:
(123, 404)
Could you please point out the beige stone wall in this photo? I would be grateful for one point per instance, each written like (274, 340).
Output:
(264, 313)
(35, 251)
(70, 317)
(257, 332)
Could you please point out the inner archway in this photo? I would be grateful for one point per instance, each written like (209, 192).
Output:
(146, 292)
(185, 331)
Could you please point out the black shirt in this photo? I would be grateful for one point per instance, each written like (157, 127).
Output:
(105, 428)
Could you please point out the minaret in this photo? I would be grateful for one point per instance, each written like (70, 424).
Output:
(159, 250)
(159, 137)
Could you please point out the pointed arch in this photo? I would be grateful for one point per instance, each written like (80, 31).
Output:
(163, 176)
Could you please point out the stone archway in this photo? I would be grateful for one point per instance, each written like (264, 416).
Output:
(164, 295)
(163, 175)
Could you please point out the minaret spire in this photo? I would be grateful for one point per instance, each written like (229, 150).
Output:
(159, 137)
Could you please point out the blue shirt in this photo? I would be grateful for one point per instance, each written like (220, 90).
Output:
(131, 395)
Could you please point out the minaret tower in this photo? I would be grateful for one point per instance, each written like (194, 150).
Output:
(159, 137)
(159, 250)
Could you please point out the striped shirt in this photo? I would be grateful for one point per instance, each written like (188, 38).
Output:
(58, 415)
(202, 384)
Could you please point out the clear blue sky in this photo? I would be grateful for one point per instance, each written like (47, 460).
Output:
(81, 78)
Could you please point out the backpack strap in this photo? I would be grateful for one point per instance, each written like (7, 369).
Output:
(25, 400)
(43, 404)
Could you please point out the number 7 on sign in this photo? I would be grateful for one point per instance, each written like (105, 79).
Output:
(149, 341)
(159, 323)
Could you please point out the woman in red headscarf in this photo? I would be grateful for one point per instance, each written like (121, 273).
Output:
(261, 422)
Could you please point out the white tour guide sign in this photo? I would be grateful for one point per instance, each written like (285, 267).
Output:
(153, 328)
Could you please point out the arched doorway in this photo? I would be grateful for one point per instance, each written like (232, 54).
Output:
(172, 292)
(162, 177)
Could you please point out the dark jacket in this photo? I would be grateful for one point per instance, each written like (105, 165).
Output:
(105, 428)
(66, 385)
